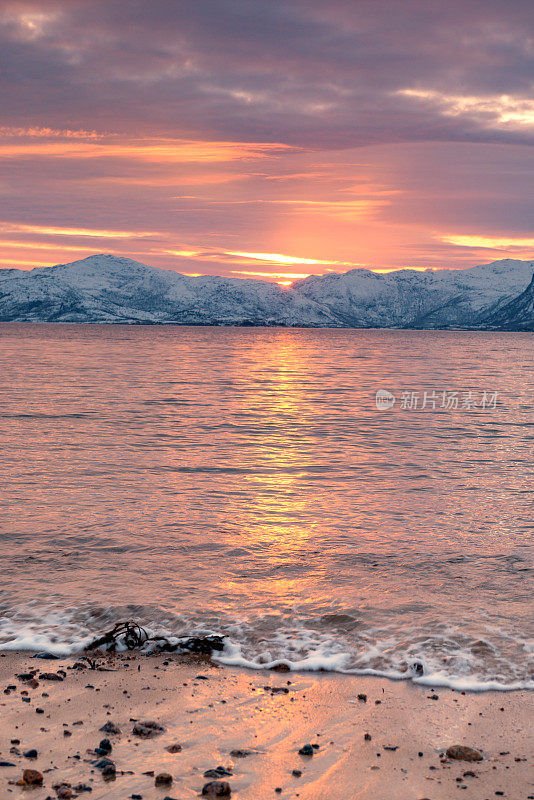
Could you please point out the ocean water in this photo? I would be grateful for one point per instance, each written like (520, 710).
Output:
(242, 481)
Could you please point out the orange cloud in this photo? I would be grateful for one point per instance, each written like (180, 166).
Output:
(162, 151)
(46, 230)
(491, 242)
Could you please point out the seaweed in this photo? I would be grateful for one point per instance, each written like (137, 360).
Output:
(131, 634)
(133, 637)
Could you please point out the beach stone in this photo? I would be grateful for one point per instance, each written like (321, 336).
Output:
(45, 655)
(64, 791)
(216, 789)
(110, 727)
(102, 763)
(306, 750)
(105, 744)
(32, 777)
(281, 668)
(163, 779)
(462, 753)
(240, 753)
(31, 754)
(109, 772)
(147, 730)
(218, 772)
(174, 748)
(362, 697)
(7, 764)
(50, 676)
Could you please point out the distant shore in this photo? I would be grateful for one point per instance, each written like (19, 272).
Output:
(248, 324)
(370, 737)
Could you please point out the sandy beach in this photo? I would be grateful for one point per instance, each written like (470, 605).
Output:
(252, 724)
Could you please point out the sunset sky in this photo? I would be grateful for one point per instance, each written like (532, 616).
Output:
(267, 139)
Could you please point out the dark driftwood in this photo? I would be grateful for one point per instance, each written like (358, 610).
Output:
(133, 637)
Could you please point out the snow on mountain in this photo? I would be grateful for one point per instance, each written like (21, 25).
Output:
(106, 288)
(516, 315)
(408, 298)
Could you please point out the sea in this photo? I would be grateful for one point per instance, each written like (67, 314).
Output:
(357, 501)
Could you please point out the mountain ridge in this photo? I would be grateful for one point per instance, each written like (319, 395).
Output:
(113, 289)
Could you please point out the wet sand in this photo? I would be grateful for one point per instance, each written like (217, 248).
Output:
(211, 711)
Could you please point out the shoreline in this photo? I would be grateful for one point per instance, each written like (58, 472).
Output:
(264, 718)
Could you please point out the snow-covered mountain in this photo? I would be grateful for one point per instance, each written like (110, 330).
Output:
(105, 288)
(411, 299)
(517, 315)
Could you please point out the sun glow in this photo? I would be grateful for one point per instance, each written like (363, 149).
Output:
(278, 258)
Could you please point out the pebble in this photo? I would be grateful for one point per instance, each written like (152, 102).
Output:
(306, 750)
(109, 772)
(102, 763)
(105, 744)
(147, 730)
(64, 792)
(216, 789)
(163, 779)
(218, 772)
(45, 655)
(30, 754)
(462, 753)
(110, 727)
(31, 777)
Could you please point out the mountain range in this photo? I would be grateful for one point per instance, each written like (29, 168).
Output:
(111, 289)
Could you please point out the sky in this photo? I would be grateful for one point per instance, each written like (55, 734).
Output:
(267, 139)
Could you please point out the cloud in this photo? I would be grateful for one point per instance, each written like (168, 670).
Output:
(340, 133)
(305, 73)
(491, 242)
(492, 111)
